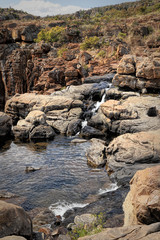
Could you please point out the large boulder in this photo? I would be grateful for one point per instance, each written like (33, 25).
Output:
(130, 152)
(128, 232)
(5, 125)
(96, 153)
(132, 113)
(42, 132)
(14, 221)
(142, 204)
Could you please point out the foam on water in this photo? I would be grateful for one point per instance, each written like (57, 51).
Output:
(111, 188)
(61, 207)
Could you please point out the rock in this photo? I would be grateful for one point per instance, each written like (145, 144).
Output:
(36, 118)
(21, 132)
(96, 154)
(74, 127)
(98, 79)
(14, 221)
(5, 125)
(90, 132)
(13, 238)
(126, 65)
(85, 220)
(84, 58)
(42, 219)
(138, 73)
(76, 140)
(42, 132)
(143, 232)
(7, 195)
(131, 114)
(130, 152)
(142, 204)
(31, 169)
(29, 33)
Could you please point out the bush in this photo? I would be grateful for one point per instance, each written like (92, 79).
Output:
(61, 51)
(89, 43)
(102, 53)
(55, 34)
(121, 35)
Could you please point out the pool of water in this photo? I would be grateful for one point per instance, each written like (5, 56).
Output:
(64, 176)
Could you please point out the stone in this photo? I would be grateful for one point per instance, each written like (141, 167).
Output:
(36, 118)
(85, 220)
(90, 132)
(131, 152)
(13, 238)
(144, 232)
(42, 132)
(96, 154)
(142, 204)
(126, 65)
(14, 221)
(130, 114)
(21, 132)
(5, 125)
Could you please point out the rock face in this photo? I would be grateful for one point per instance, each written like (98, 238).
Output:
(14, 221)
(5, 125)
(130, 152)
(142, 204)
(131, 114)
(138, 73)
(131, 232)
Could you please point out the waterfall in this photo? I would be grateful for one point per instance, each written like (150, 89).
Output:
(97, 105)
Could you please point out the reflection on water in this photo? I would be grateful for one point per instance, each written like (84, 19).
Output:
(64, 175)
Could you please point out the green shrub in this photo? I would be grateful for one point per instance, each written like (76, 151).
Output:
(61, 51)
(55, 34)
(121, 35)
(89, 43)
(102, 53)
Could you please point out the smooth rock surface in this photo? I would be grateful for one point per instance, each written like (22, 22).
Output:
(14, 221)
(142, 204)
(130, 152)
(137, 232)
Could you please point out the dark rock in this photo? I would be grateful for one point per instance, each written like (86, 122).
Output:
(42, 132)
(90, 132)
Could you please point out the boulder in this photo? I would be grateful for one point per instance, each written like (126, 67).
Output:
(142, 204)
(14, 221)
(42, 132)
(96, 154)
(5, 125)
(90, 132)
(85, 220)
(36, 117)
(130, 152)
(13, 238)
(143, 232)
(131, 114)
(126, 65)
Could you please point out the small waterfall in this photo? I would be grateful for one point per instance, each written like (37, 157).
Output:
(97, 105)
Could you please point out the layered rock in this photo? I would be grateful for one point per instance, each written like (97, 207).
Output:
(142, 204)
(138, 73)
(14, 221)
(130, 152)
(131, 114)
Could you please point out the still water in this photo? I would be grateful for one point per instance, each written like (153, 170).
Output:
(64, 177)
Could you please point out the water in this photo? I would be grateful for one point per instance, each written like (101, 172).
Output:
(64, 179)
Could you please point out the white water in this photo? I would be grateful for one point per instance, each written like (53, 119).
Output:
(111, 188)
(61, 207)
(98, 104)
